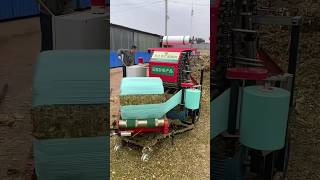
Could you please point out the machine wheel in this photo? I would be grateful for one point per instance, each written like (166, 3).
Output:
(146, 153)
(145, 157)
(196, 116)
(146, 150)
(118, 146)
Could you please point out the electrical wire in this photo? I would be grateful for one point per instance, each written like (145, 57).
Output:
(189, 3)
(134, 8)
(126, 4)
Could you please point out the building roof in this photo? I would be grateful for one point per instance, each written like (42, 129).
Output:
(131, 29)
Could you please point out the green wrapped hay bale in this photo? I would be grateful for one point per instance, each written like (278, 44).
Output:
(69, 121)
(72, 158)
(142, 99)
(70, 102)
(71, 77)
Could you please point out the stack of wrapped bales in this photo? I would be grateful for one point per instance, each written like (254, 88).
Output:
(69, 114)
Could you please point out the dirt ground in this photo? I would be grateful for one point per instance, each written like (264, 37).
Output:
(188, 158)
(19, 46)
(304, 160)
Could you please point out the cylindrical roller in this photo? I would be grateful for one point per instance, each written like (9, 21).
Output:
(136, 71)
(122, 124)
(176, 40)
(159, 122)
(141, 123)
(264, 118)
(146, 123)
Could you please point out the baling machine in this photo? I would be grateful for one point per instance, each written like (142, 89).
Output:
(160, 99)
(251, 96)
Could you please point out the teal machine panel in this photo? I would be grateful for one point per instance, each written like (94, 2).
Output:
(219, 114)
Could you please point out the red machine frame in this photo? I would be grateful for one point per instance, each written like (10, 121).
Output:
(166, 78)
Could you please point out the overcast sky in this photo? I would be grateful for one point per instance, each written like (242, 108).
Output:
(149, 15)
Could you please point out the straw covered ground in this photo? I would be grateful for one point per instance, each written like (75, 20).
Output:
(188, 158)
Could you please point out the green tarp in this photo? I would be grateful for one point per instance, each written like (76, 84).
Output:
(71, 77)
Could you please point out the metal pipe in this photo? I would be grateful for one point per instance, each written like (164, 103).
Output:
(45, 7)
(122, 124)
(159, 122)
(125, 133)
(293, 55)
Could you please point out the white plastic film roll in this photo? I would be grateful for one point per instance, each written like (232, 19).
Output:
(176, 40)
(136, 71)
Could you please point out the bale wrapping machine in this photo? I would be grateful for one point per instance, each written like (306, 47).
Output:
(163, 103)
(251, 96)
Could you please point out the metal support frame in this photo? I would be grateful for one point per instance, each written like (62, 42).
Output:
(295, 23)
(277, 159)
(277, 20)
(233, 106)
(3, 92)
(294, 53)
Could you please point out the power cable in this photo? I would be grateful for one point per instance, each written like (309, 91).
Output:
(188, 4)
(133, 8)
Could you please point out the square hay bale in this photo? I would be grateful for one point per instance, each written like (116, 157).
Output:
(142, 99)
(69, 121)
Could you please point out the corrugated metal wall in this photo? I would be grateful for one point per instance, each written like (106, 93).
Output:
(6, 10)
(83, 3)
(24, 8)
(17, 8)
(10, 9)
(145, 41)
(122, 38)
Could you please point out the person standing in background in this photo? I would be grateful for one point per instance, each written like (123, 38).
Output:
(131, 55)
(49, 9)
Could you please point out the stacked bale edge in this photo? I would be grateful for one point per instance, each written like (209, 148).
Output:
(142, 99)
(69, 121)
